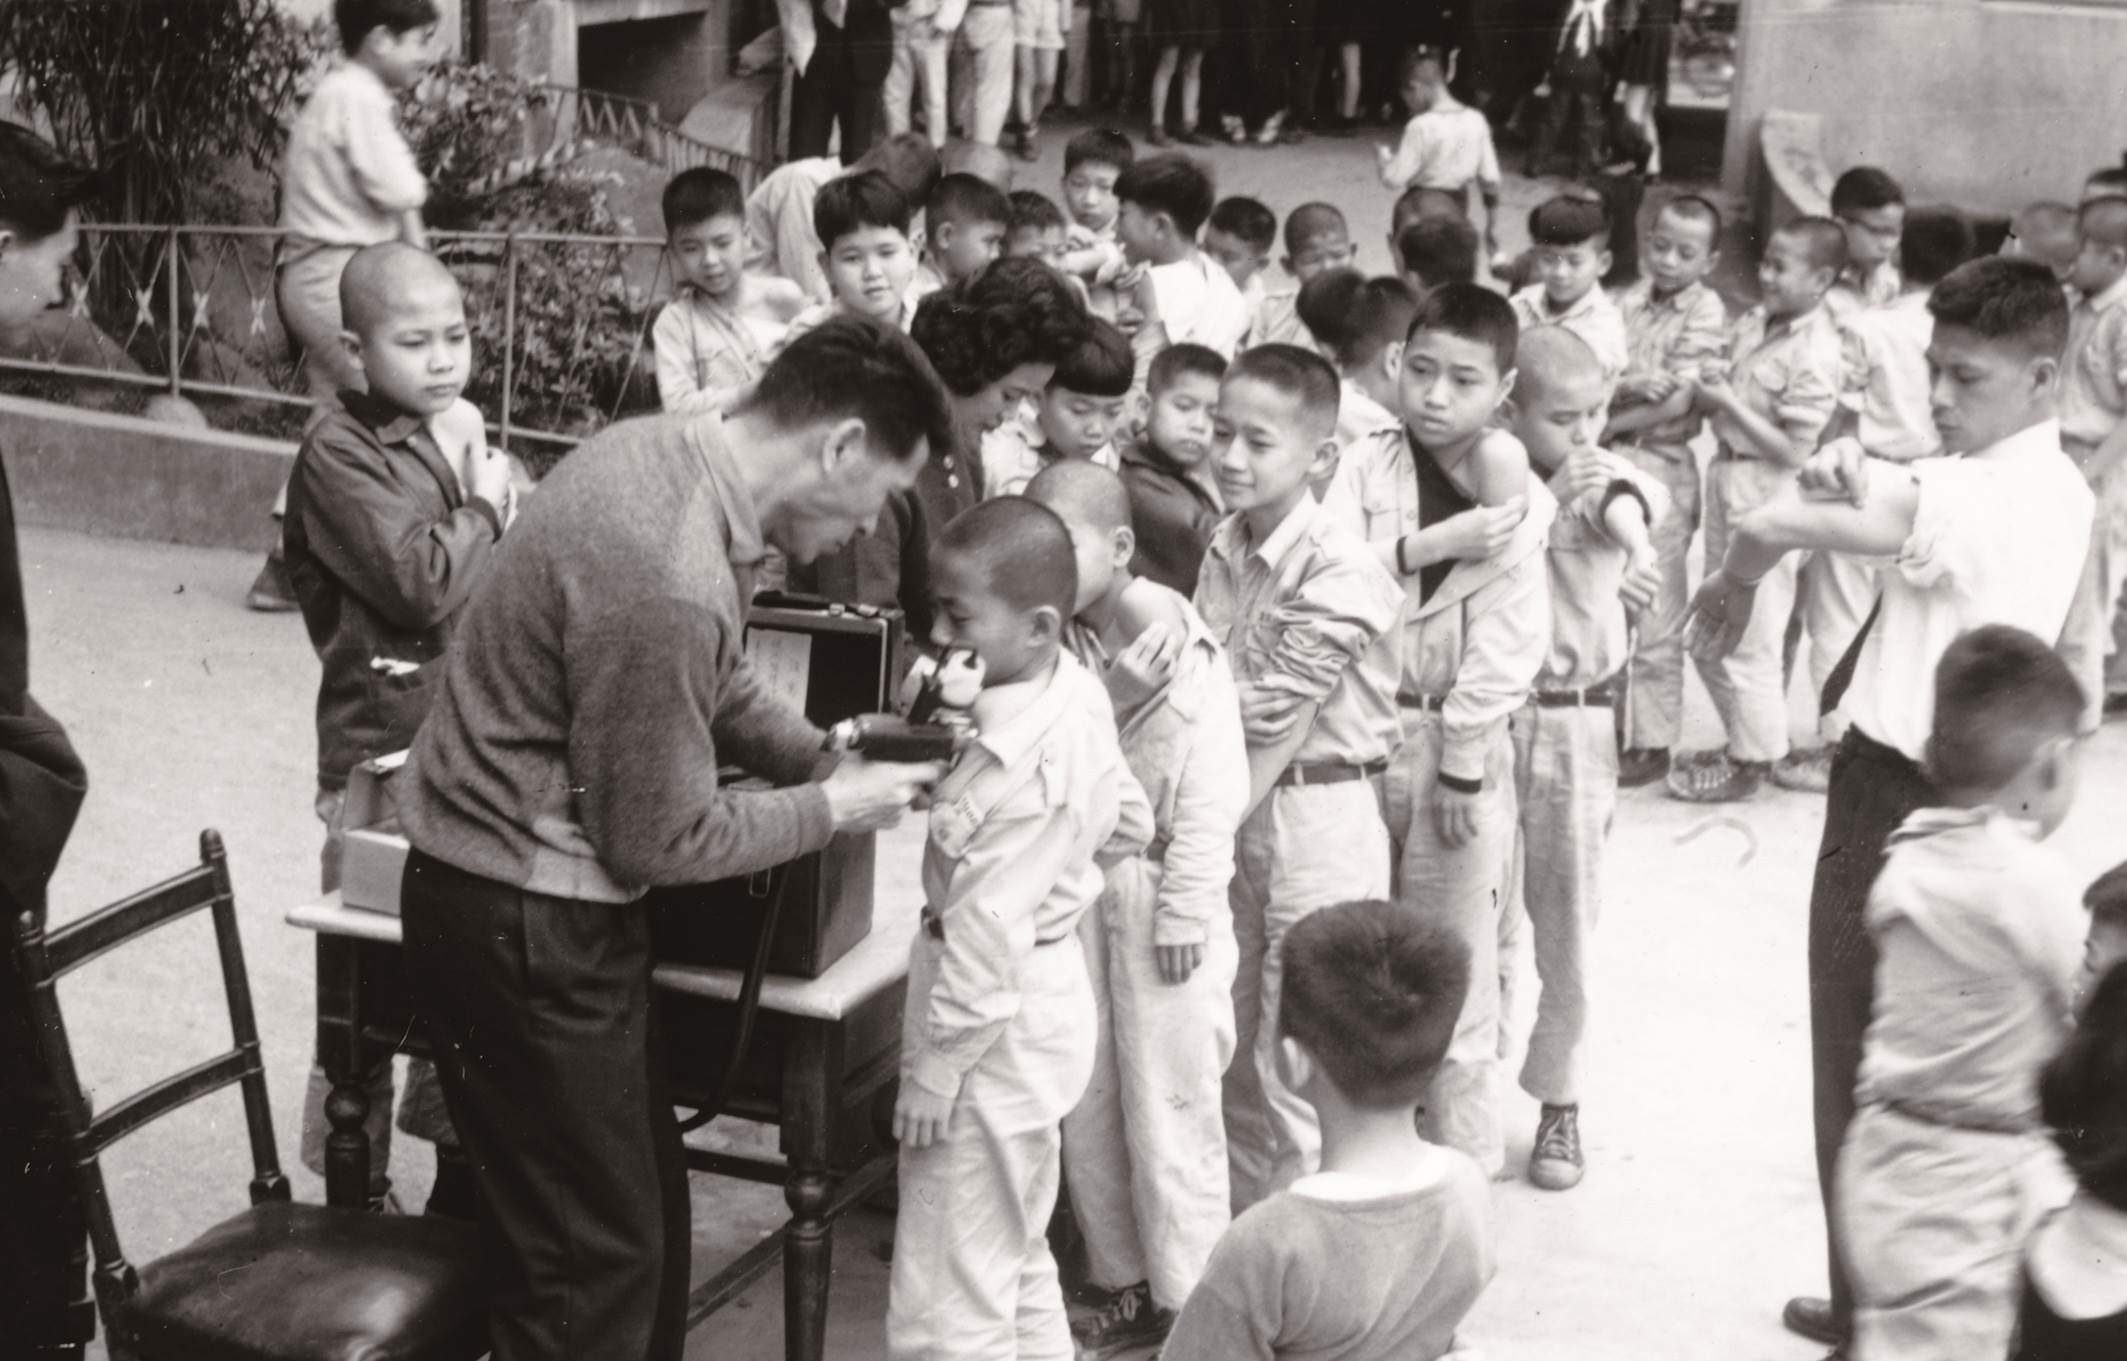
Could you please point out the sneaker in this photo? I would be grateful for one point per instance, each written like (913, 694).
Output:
(271, 591)
(1711, 777)
(1556, 1164)
(1638, 766)
(1191, 137)
(1130, 1320)
(1805, 772)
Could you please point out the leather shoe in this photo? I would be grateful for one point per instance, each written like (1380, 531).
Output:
(1811, 1317)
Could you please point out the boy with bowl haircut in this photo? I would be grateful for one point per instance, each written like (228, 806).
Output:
(2093, 400)
(998, 1036)
(1787, 361)
(964, 226)
(1080, 412)
(714, 338)
(1174, 497)
(395, 507)
(1476, 625)
(1979, 934)
(1675, 326)
(1317, 240)
(1570, 255)
(1383, 1253)
(1308, 619)
(1165, 200)
(1601, 565)
(781, 235)
(1145, 1151)
(867, 257)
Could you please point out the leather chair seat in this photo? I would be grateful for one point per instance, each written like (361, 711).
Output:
(288, 1282)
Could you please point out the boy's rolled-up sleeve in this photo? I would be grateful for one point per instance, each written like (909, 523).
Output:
(1344, 603)
(1702, 340)
(1506, 633)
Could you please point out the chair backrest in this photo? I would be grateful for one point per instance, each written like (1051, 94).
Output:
(45, 957)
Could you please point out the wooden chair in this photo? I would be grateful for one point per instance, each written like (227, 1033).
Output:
(280, 1281)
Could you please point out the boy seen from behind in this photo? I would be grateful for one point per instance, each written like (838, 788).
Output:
(1475, 628)
(395, 507)
(1145, 1151)
(2094, 434)
(870, 265)
(1770, 409)
(1361, 324)
(1165, 200)
(1978, 930)
(1381, 1254)
(1447, 146)
(1601, 564)
(1437, 250)
(713, 339)
(1174, 495)
(999, 1033)
(1079, 416)
(964, 227)
(1675, 327)
(1571, 255)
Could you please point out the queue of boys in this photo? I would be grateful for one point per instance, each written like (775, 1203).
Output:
(1321, 619)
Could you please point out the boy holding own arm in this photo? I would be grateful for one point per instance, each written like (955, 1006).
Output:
(1770, 410)
(998, 1036)
(1476, 626)
(395, 508)
(1307, 617)
(1145, 1151)
(1676, 326)
(1601, 563)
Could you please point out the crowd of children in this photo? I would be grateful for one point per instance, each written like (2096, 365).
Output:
(1319, 629)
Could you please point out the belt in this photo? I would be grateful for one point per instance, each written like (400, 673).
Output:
(1924, 1117)
(1411, 699)
(934, 927)
(1601, 695)
(1329, 772)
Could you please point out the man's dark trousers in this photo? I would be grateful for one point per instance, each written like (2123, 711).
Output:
(1874, 789)
(540, 1011)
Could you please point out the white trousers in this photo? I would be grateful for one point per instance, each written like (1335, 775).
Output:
(2087, 640)
(1465, 888)
(1144, 1153)
(1565, 784)
(1304, 848)
(919, 68)
(982, 72)
(1748, 685)
(1934, 1222)
(973, 1279)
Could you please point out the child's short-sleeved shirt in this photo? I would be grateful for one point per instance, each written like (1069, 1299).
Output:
(1021, 829)
(1326, 1272)
(1789, 371)
(1896, 415)
(1446, 148)
(2094, 376)
(1593, 317)
(1590, 641)
(349, 178)
(1199, 304)
(707, 349)
(1675, 334)
(1979, 931)
(1311, 605)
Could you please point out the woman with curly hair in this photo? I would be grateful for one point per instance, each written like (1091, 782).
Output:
(994, 341)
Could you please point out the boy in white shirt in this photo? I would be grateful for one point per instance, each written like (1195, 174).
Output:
(1164, 202)
(1447, 145)
(1978, 931)
(714, 338)
(1572, 251)
(1381, 1254)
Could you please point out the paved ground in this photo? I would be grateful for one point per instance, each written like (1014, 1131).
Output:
(1698, 1216)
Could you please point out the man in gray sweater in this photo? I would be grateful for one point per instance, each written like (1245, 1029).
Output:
(569, 762)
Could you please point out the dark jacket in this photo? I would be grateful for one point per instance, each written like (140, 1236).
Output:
(383, 548)
(1173, 515)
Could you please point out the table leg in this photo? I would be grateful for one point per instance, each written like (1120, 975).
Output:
(808, 1260)
(339, 1050)
(347, 1146)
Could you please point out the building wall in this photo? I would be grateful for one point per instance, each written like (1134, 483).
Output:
(1985, 104)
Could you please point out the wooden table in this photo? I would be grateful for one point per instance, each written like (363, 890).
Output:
(821, 1067)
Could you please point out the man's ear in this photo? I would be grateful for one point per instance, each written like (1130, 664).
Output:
(841, 442)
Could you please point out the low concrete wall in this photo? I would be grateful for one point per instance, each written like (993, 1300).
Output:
(131, 478)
